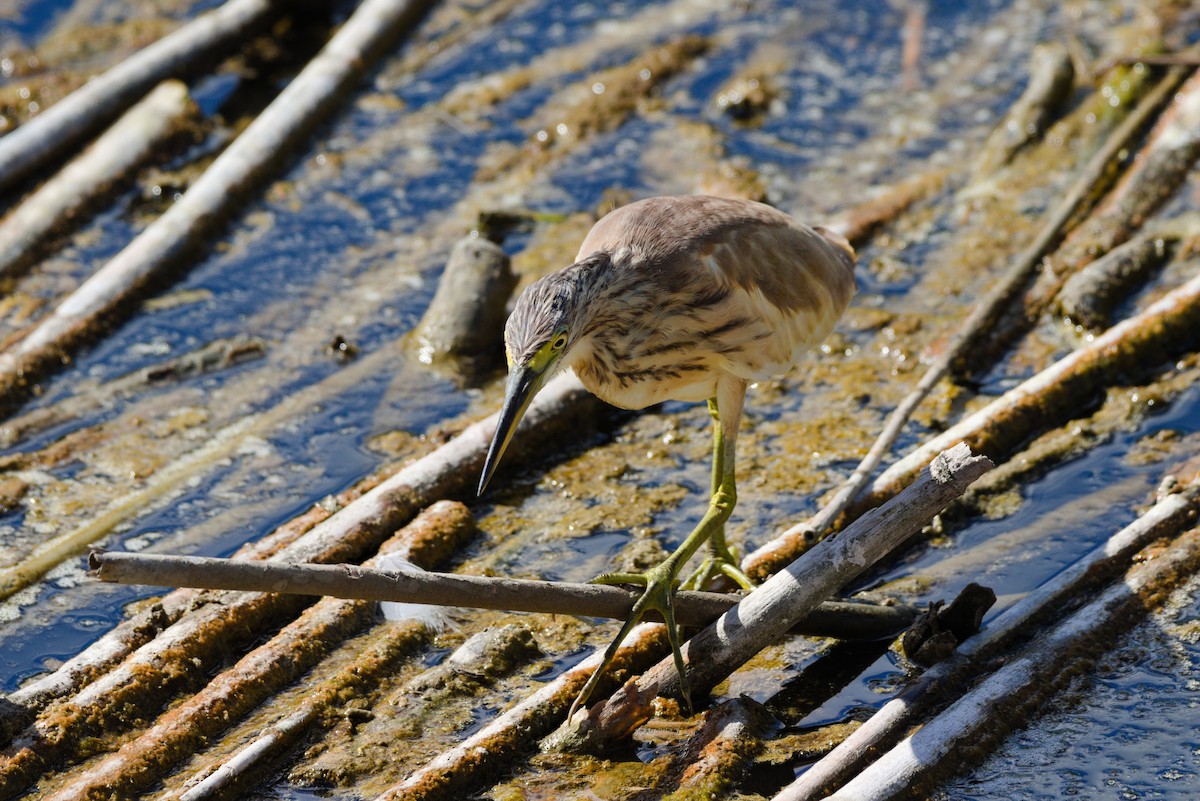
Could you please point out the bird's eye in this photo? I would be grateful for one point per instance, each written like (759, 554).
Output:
(559, 342)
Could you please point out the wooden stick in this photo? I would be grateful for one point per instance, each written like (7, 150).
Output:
(132, 140)
(60, 128)
(267, 668)
(764, 616)
(974, 723)
(307, 100)
(787, 545)
(1149, 337)
(151, 676)
(481, 592)
(494, 747)
(1171, 515)
(1051, 77)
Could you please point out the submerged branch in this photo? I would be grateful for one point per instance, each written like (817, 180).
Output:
(131, 141)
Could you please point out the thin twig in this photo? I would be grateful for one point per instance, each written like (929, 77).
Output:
(481, 592)
(60, 128)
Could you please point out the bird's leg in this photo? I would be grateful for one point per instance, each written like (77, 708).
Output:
(660, 581)
(721, 558)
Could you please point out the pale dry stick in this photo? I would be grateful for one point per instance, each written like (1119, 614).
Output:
(159, 249)
(1167, 326)
(833, 619)
(764, 616)
(131, 141)
(1168, 517)
(970, 724)
(60, 127)
(984, 315)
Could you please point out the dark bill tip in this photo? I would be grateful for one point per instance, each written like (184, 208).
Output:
(523, 384)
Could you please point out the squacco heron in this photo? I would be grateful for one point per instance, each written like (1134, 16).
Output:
(678, 298)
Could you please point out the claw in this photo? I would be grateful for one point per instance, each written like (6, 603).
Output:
(658, 596)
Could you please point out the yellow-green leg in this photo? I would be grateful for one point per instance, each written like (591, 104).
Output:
(660, 581)
(720, 558)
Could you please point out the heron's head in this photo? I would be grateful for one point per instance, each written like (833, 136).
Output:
(543, 328)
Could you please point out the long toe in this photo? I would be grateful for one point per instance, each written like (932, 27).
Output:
(659, 596)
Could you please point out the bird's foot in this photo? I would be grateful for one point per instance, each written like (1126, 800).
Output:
(721, 560)
(658, 596)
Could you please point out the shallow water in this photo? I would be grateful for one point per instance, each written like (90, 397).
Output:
(349, 241)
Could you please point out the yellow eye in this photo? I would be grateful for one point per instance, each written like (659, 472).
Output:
(559, 342)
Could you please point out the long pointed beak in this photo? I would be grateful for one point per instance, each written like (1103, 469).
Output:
(523, 384)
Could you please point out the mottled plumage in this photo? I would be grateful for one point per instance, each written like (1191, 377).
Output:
(679, 298)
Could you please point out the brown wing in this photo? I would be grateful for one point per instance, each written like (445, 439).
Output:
(696, 238)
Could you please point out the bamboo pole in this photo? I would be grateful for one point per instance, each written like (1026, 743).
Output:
(833, 619)
(1168, 517)
(132, 140)
(61, 127)
(969, 726)
(764, 616)
(248, 161)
